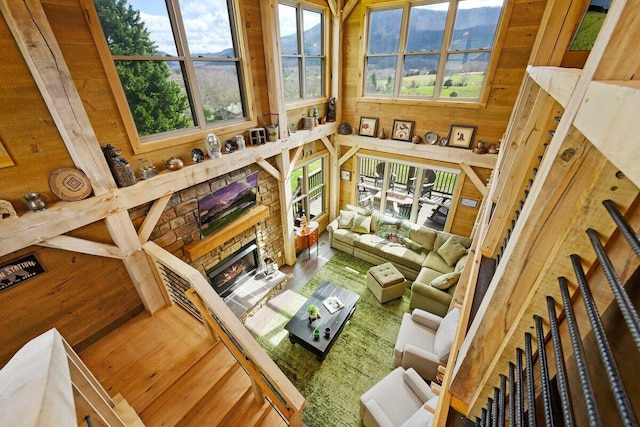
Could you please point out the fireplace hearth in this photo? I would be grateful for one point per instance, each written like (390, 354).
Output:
(234, 270)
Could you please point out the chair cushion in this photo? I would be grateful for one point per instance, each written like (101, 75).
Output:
(445, 334)
(361, 224)
(446, 280)
(421, 418)
(452, 251)
(414, 333)
(345, 220)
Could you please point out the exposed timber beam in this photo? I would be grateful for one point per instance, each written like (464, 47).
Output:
(328, 145)
(286, 208)
(296, 157)
(348, 8)
(473, 176)
(269, 169)
(352, 151)
(332, 7)
(557, 82)
(152, 217)
(76, 244)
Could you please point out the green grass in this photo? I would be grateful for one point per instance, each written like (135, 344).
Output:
(588, 31)
(470, 85)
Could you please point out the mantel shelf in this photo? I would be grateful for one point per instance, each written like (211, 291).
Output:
(197, 249)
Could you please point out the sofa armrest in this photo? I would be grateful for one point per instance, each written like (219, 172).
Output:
(333, 226)
(425, 318)
(431, 293)
(424, 362)
(417, 385)
(375, 416)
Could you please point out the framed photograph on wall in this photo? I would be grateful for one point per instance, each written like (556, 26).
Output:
(402, 130)
(368, 126)
(461, 136)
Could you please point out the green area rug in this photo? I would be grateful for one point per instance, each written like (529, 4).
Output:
(360, 357)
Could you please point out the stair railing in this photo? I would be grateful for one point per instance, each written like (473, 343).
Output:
(188, 288)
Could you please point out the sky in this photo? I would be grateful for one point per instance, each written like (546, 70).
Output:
(206, 23)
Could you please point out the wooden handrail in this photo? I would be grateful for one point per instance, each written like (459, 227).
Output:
(267, 378)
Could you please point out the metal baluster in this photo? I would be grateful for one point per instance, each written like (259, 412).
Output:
(613, 375)
(561, 374)
(478, 422)
(626, 306)
(531, 390)
(484, 417)
(544, 372)
(520, 412)
(496, 404)
(624, 226)
(578, 352)
(512, 394)
(502, 401)
(489, 419)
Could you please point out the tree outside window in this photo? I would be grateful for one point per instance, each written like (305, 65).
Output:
(178, 61)
(409, 54)
(302, 44)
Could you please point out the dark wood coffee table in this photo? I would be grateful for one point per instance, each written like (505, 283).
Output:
(301, 330)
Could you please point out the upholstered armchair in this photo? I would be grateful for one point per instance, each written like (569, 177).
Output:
(398, 400)
(424, 341)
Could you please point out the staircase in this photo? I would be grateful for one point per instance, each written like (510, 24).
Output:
(172, 374)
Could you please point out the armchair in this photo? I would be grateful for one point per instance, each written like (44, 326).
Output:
(424, 341)
(398, 400)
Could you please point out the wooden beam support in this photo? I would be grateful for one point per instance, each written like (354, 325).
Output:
(473, 176)
(152, 217)
(352, 151)
(348, 8)
(332, 7)
(75, 244)
(557, 82)
(334, 177)
(40, 49)
(286, 208)
(269, 169)
(328, 145)
(296, 157)
(135, 261)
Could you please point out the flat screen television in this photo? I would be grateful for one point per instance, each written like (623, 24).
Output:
(226, 204)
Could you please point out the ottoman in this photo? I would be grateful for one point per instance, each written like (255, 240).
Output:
(386, 282)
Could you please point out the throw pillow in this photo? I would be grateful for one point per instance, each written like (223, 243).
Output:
(361, 224)
(345, 220)
(445, 334)
(445, 281)
(414, 246)
(452, 251)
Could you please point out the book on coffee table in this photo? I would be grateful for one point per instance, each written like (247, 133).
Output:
(333, 304)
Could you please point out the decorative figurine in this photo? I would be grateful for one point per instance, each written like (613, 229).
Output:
(382, 134)
(331, 115)
(120, 167)
(146, 169)
(240, 142)
(213, 146)
(6, 210)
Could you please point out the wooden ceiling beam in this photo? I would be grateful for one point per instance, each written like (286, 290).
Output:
(152, 217)
(75, 244)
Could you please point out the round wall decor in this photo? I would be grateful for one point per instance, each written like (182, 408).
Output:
(70, 184)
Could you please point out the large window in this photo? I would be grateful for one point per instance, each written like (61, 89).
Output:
(308, 189)
(303, 57)
(178, 61)
(418, 193)
(432, 50)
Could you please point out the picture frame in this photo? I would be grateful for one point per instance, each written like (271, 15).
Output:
(461, 136)
(402, 130)
(368, 126)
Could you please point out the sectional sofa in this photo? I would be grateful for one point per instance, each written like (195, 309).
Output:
(432, 259)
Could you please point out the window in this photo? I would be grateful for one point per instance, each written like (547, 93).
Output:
(308, 189)
(418, 193)
(178, 61)
(420, 51)
(303, 57)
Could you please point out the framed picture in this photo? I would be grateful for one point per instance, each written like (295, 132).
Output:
(402, 130)
(461, 136)
(368, 126)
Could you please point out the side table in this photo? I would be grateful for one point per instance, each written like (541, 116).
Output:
(305, 238)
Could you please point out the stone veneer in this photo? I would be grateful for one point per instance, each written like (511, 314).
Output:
(178, 224)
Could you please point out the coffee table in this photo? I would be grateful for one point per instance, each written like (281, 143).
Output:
(301, 330)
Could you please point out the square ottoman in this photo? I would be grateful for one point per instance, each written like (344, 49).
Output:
(386, 282)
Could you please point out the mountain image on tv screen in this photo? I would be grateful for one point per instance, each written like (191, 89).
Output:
(226, 204)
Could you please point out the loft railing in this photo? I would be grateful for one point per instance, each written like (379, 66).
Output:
(188, 288)
(46, 384)
(521, 379)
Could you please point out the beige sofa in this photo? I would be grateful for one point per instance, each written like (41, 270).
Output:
(426, 256)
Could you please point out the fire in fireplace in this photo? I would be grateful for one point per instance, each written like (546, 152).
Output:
(234, 270)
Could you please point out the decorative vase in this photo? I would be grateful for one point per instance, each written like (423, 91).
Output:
(240, 142)
(214, 147)
(34, 202)
(316, 334)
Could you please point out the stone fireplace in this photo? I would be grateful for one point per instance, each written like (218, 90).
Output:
(234, 270)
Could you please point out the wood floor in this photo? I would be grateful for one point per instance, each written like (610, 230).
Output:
(197, 382)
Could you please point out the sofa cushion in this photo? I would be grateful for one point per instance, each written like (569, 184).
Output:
(423, 235)
(426, 275)
(403, 256)
(346, 236)
(461, 263)
(451, 251)
(445, 334)
(435, 262)
(345, 220)
(442, 238)
(446, 280)
(361, 224)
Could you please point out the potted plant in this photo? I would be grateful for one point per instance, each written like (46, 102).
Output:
(314, 313)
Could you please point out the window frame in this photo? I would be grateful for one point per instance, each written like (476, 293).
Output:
(148, 143)
(480, 102)
(300, 8)
(304, 196)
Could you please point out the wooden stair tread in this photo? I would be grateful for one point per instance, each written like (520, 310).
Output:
(273, 419)
(248, 412)
(127, 414)
(140, 359)
(215, 405)
(179, 399)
